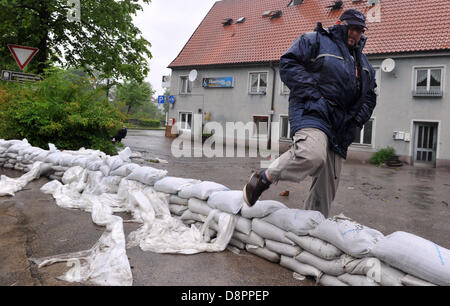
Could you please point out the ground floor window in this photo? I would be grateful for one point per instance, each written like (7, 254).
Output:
(186, 120)
(262, 125)
(285, 127)
(364, 135)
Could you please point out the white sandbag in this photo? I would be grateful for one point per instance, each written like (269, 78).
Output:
(347, 235)
(333, 281)
(264, 253)
(59, 168)
(410, 280)
(227, 201)
(243, 225)
(416, 256)
(105, 170)
(269, 231)
(177, 209)
(125, 154)
(173, 199)
(125, 170)
(147, 175)
(253, 238)
(199, 207)
(357, 280)
(297, 221)
(201, 190)
(375, 269)
(261, 209)
(173, 185)
(16, 147)
(114, 162)
(315, 246)
(239, 244)
(333, 267)
(94, 165)
(189, 215)
(283, 248)
(300, 268)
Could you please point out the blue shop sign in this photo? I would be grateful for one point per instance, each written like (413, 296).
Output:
(223, 82)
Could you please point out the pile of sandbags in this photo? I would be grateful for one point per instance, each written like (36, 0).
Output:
(336, 251)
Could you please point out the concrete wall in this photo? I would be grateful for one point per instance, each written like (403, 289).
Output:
(397, 109)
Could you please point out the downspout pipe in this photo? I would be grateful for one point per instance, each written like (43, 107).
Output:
(272, 105)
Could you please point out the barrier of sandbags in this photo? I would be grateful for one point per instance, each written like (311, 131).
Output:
(336, 251)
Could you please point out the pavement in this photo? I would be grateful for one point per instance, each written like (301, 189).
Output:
(414, 200)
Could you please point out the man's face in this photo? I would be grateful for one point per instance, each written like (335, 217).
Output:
(354, 34)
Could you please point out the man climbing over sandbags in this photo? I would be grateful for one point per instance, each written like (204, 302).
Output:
(332, 92)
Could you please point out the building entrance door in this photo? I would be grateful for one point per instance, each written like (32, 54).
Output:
(425, 143)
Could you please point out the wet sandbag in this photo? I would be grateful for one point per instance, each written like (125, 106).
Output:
(173, 199)
(333, 267)
(236, 243)
(201, 190)
(297, 221)
(347, 235)
(302, 269)
(416, 256)
(173, 185)
(315, 246)
(177, 209)
(264, 253)
(333, 281)
(283, 248)
(269, 231)
(261, 209)
(227, 201)
(373, 268)
(147, 175)
(357, 280)
(253, 238)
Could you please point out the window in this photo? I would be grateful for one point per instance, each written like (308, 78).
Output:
(285, 127)
(428, 82)
(185, 121)
(295, 2)
(186, 85)
(284, 89)
(262, 124)
(364, 136)
(258, 83)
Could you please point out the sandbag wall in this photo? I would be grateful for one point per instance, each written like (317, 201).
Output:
(336, 251)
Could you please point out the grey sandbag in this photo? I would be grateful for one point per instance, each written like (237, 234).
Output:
(201, 191)
(239, 244)
(253, 238)
(416, 256)
(269, 231)
(373, 268)
(297, 221)
(199, 207)
(347, 235)
(243, 225)
(328, 280)
(177, 209)
(357, 280)
(173, 185)
(261, 209)
(283, 248)
(331, 267)
(264, 253)
(410, 280)
(188, 215)
(300, 268)
(316, 246)
(173, 199)
(230, 201)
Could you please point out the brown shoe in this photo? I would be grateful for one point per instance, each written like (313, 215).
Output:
(254, 188)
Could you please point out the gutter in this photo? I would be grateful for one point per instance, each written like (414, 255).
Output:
(272, 110)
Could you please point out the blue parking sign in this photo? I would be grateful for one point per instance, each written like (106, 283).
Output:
(171, 99)
(161, 99)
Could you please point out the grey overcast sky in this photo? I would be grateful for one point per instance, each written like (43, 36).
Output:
(168, 25)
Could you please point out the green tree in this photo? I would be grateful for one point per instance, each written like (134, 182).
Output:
(104, 38)
(134, 95)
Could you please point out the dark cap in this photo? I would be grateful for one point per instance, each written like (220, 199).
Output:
(354, 17)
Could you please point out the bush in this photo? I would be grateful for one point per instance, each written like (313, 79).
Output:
(64, 109)
(382, 156)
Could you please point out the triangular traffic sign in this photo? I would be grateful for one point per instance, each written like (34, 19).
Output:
(22, 54)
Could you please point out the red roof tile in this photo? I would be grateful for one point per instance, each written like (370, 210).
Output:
(406, 26)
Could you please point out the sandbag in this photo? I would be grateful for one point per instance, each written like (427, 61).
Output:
(347, 235)
(114, 162)
(357, 280)
(239, 244)
(261, 209)
(328, 280)
(297, 221)
(227, 201)
(269, 231)
(375, 269)
(147, 175)
(125, 170)
(300, 268)
(264, 253)
(173, 185)
(315, 246)
(189, 215)
(333, 267)
(201, 190)
(243, 225)
(283, 248)
(199, 207)
(410, 280)
(253, 238)
(173, 199)
(416, 256)
(177, 209)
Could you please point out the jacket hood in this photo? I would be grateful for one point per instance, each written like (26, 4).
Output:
(340, 32)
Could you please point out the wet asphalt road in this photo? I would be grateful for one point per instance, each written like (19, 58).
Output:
(414, 200)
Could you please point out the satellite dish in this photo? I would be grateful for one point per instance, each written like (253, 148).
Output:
(193, 75)
(388, 65)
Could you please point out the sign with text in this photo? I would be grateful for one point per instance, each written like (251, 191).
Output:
(221, 82)
(19, 76)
